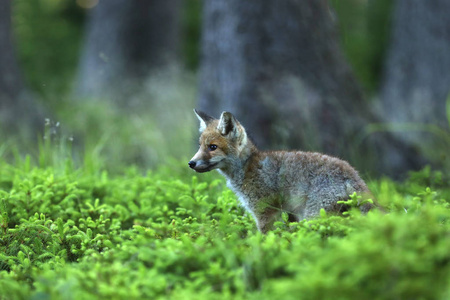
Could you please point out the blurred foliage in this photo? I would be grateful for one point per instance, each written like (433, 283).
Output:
(436, 150)
(161, 128)
(96, 134)
(364, 28)
(48, 35)
(191, 31)
(69, 233)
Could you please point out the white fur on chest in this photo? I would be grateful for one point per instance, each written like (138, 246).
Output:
(243, 199)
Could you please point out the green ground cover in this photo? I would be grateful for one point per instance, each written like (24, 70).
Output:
(70, 234)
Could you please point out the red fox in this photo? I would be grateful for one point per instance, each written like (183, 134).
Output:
(270, 182)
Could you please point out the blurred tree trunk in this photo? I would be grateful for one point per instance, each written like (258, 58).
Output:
(278, 66)
(19, 112)
(125, 41)
(417, 72)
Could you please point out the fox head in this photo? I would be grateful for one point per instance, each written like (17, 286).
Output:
(222, 141)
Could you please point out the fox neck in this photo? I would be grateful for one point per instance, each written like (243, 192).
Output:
(234, 171)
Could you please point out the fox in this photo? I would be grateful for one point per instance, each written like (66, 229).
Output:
(268, 183)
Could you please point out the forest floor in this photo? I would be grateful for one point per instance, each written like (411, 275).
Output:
(69, 233)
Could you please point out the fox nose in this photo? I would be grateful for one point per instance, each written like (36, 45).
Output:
(192, 164)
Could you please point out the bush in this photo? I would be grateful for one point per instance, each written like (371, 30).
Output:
(67, 234)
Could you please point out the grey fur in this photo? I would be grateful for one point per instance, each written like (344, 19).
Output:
(268, 183)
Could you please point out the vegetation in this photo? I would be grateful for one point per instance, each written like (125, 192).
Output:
(79, 233)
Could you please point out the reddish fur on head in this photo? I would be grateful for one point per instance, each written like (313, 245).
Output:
(227, 137)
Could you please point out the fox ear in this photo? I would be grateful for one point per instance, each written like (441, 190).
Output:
(204, 119)
(227, 124)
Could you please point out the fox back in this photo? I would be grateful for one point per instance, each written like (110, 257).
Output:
(268, 183)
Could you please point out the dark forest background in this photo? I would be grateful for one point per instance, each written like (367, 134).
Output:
(115, 81)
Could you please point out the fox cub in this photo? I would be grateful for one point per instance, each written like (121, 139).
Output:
(268, 183)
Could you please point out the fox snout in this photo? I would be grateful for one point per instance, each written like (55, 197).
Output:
(198, 163)
(202, 166)
(203, 162)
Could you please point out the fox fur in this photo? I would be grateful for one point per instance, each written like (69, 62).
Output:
(270, 182)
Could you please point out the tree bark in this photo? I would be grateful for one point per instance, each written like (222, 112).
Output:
(279, 66)
(19, 112)
(416, 80)
(125, 42)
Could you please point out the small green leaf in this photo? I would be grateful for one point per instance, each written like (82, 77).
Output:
(285, 216)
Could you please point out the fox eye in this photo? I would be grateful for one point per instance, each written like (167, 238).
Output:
(212, 147)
